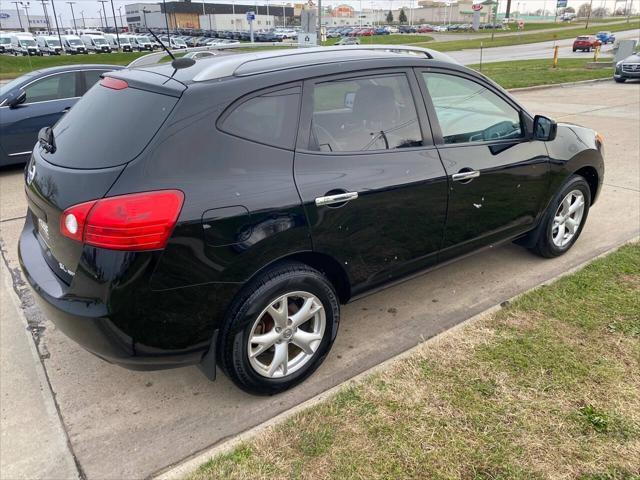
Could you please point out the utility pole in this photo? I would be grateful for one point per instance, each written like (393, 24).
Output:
(115, 23)
(18, 12)
(26, 9)
(166, 19)
(144, 14)
(508, 12)
(75, 27)
(84, 24)
(104, 11)
(56, 19)
(101, 23)
(589, 14)
(46, 14)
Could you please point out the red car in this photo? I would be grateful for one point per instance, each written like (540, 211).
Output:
(425, 29)
(586, 43)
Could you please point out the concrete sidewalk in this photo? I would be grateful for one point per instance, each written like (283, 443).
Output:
(33, 443)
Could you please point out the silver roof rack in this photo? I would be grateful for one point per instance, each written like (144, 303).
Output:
(251, 63)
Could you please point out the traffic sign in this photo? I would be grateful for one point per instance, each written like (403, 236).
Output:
(308, 40)
(251, 16)
(476, 7)
(561, 4)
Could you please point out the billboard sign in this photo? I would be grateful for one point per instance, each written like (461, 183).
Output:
(561, 4)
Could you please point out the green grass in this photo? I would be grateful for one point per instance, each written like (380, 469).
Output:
(11, 67)
(528, 73)
(545, 388)
(515, 39)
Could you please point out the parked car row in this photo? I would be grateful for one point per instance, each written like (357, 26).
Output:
(366, 31)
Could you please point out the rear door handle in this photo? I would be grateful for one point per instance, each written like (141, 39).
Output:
(334, 199)
(465, 176)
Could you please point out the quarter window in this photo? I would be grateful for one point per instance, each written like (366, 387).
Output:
(271, 118)
(469, 112)
(54, 87)
(364, 114)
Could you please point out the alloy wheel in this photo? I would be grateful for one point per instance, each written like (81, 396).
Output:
(568, 218)
(286, 335)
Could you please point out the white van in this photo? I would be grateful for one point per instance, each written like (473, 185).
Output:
(125, 43)
(24, 44)
(49, 44)
(95, 42)
(5, 43)
(144, 42)
(73, 45)
(175, 43)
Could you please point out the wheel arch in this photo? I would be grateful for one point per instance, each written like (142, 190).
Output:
(590, 174)
(325, 264)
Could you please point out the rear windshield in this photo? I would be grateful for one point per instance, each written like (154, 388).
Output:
(108, 127)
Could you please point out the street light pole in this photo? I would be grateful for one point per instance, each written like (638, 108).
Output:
(166, 19)
(104, 11)
(101, 23)
(55, 17)
(46, 14)
(115, 23)
(26, 9)
(84, 24)
(75, 27)
(18, 12)
(144, 14)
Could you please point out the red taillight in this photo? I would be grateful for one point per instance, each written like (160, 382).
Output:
(139, 221)
(114, 83)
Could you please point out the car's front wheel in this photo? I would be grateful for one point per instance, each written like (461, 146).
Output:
(564, 219)
(280, 329)
(619, 80)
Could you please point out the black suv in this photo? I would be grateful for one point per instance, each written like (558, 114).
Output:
(220, 214)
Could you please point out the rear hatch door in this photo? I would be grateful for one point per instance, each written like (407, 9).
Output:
(109, 127)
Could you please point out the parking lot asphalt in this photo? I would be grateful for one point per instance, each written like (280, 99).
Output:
(124, 424)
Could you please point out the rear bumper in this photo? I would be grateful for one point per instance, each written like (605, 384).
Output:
(89, 322)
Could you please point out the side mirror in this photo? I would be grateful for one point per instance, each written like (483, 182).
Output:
(16, 98)
(544, 128)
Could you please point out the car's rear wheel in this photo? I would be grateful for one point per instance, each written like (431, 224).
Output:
(564, 219)
(280, 329)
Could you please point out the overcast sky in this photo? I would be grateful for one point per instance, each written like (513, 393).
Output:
(90, 7)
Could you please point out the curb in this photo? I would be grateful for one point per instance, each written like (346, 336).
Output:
(560, 85)
(191, 464)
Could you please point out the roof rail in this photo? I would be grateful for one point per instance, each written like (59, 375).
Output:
(154, 58)
(266, 61)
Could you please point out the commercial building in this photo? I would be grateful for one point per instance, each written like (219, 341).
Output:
(221, 16)
(9, 20)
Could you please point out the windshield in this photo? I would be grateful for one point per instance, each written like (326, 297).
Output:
(75, 42)
(28, 43)
(99, 41)
(179, 41)
(53, 43)
(143, 40)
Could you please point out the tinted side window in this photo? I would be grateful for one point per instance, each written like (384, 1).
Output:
(91, 77)
(271, 118)
(52, 88)
(364, 114)
(469, 112)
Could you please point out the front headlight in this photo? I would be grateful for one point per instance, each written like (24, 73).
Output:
(619, 63)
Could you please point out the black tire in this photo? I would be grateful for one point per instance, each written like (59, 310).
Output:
(233, 348)
(574, 50)
(619, 80)
(544, 246)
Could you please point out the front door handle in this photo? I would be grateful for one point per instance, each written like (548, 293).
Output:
(464, 176)
(65, 110)
(334, 199)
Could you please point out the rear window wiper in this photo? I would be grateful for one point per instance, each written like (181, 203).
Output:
(47, 140)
